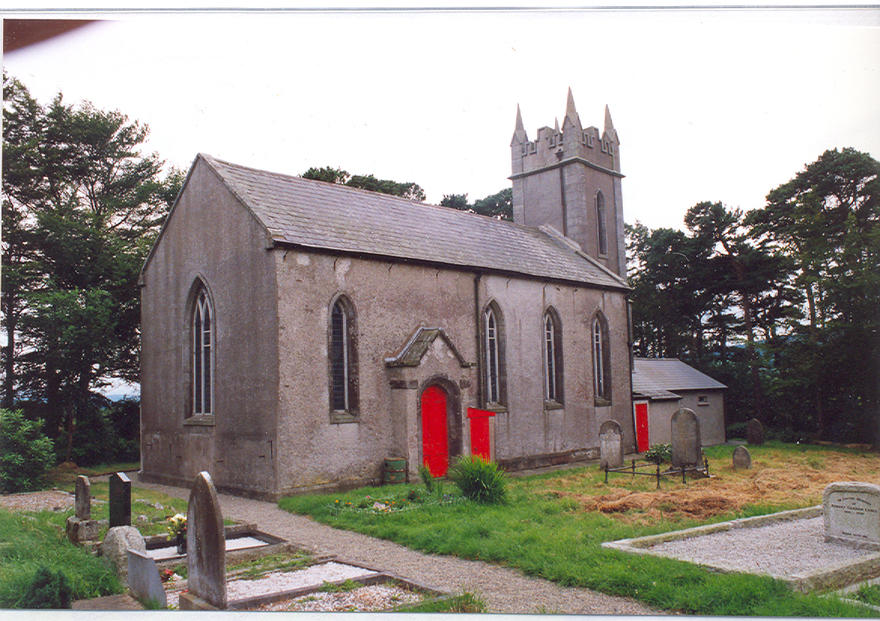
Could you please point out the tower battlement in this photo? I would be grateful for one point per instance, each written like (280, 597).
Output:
(569, 178)
(553, 145)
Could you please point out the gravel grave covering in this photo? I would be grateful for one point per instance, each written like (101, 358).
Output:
(783, 549)
(278, 581)
(47, 500)
(235, 543)
(371, 598)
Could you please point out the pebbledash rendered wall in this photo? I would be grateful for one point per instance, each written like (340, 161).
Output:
(393, 299)
(210, 236)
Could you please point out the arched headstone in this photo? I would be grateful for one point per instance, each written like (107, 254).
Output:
(685, 438)
(851, 512)
(742, 459)
(205, 544)
(610, 444)
(754, 432)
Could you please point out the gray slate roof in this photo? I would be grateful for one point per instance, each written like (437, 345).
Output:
(658, 378)
(320, 215)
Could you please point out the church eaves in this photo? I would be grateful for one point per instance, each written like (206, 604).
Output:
(330, 217)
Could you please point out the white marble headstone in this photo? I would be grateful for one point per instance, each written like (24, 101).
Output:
(852, 514)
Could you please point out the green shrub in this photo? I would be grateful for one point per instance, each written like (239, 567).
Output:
(48, 589)
(478, 479)
(25, 452)
(431, 484)
(659, 454)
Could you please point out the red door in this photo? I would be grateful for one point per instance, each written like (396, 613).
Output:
(642, 427)
(435, 440)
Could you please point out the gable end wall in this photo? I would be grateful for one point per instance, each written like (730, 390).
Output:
(210, 235)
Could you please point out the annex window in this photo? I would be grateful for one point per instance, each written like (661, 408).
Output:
(202, 354)
(493, 345)
(552, 357)
(600, 224)
(601, 361)
(343, 360)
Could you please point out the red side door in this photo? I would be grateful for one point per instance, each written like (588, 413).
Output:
(642, 440)
(435, 439)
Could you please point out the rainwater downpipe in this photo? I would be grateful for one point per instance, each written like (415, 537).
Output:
(477, 323)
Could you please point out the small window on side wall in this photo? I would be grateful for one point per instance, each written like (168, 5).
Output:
(342, 352)
(552, 350)
(702, 400)
(601, 361)
(202, 353)
(493, 352)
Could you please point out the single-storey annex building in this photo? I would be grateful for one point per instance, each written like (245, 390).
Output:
(661, 386)
(296, 333)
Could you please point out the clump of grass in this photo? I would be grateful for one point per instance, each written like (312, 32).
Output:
(870, 594)
(478, 479)
(342, 587)
(271, 562)
(463, 602)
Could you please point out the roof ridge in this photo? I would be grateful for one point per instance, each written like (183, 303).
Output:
(348, 188)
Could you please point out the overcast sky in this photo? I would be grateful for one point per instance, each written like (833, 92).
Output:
(709, 105)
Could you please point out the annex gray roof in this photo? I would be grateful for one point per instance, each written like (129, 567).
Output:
(659, 378)
(327, 216)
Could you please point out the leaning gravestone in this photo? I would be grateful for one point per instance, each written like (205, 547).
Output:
(610, 445)
(851, 512)
(742, 459)
(686, 446)
(754, 431)
(80, 527)
(144, 580)
(120, 500)
(205, 548)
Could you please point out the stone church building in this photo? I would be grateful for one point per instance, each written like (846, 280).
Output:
(296, 333)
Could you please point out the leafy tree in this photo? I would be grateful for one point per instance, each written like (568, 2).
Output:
(499, 205)
(328, 174)
(826, 221)
(25, 452)
(85, 207)
(456, 201)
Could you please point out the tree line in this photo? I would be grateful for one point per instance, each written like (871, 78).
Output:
(781, 303)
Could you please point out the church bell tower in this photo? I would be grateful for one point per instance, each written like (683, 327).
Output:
(570, 179)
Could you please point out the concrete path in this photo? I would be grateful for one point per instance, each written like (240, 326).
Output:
(503, 589)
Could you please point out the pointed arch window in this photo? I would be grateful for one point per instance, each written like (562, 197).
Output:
(552, 350)
(601, 361)
(343, 361)
(202, 332)
(493, 351)
(600, 224)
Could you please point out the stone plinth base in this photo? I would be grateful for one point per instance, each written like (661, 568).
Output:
(79, 531)
(188, 601)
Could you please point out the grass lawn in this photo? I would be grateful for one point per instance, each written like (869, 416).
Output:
(29, 539)
(552, 526)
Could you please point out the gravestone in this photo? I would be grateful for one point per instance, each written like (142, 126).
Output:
(205, 548)
(754, 431)
(117, 542)
(80, 527)
(120, 500)
(742, 459)
(83, 498)
(851, 512)
(686, 446)
(610, 445)
(144, 580)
